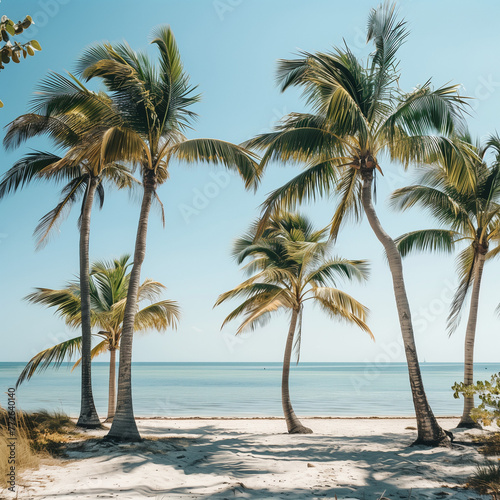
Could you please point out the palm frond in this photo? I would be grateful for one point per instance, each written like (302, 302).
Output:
(493, 253)
(340, 305)
(120, 176)
(435, 240)
(175, 94)
(150, 290)
(314, 182)
(334, 85)
(59, 128)
(250, 289)
(466, 261)
(52, 357)
(50, 222)
(349, 207)
(388, 34)
(426, 110)
(217, 152)
(96, 351)
(288, 262)
(291, 143)
(28, 170)
(123, 144)
(261, 314)
(441, 205)
(66, 301)
(327, 273)
(158, 316)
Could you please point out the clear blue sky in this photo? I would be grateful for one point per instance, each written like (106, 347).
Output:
(230, 48)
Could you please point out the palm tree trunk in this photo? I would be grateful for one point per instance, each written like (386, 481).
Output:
(429, 431)
(112, 385)
(88, 414)
(292, 422)
(124, 427)
(470, 335)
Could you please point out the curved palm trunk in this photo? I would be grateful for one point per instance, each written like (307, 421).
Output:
(470, 335)
(124, 427)
(112, 385)
(292, 422)
(429, 431)
(88, 414)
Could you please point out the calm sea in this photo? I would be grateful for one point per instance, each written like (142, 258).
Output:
(249, 389)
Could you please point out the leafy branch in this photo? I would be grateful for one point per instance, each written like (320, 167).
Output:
(13, 51)
(489, 394)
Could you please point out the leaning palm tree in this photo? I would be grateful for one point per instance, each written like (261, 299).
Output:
(152, 103)
(81, 134)
(290, 265)
(109, 282)
(359, 116)
(471, 216)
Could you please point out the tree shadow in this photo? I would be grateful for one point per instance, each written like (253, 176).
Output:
(231, 463)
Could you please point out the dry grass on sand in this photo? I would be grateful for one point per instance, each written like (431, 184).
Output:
(30, 438)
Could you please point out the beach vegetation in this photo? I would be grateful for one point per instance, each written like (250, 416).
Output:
(488, 391)
(37, 435)
(15, 51)
(486, 480)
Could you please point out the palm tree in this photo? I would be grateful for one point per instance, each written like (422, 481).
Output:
(359, 115)
(289, 265)
(109, 282)
(152, 104)
(470, 215)
(81, 133)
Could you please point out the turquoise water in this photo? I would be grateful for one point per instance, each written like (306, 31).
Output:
(249, 389)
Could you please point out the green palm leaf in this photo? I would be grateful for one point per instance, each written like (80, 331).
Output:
(52, 357)
(465, 268)
(437, 240)
(327, 273)
(158, 316)
(51, 221)
(287, 262)
(28, 170)
(109, 282)
(219, 152)
(97, 350)
(338, 304)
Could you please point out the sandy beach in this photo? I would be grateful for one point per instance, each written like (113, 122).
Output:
(353, 458)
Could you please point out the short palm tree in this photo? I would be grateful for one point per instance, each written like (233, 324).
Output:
(152, 104)
(81, 134)
(109, 282)
(289, 265)
(471, 216)
(359, 116)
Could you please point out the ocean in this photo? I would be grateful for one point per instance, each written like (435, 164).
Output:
(249, 389)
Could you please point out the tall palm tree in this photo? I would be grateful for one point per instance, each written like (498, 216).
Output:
(359, 116)
(152, 103)
(470, 216)
(109, 282)
(81, 134)
(290, 265)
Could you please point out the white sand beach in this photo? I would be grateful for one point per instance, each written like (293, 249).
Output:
(353, 458)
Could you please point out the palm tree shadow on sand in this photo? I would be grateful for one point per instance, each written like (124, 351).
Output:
(205, 462)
